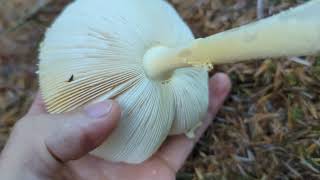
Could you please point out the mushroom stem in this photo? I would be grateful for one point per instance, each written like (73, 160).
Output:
(295, 32)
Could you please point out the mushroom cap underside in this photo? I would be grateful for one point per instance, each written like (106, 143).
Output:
(94, 51)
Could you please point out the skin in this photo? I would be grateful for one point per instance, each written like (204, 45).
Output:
(49, 147)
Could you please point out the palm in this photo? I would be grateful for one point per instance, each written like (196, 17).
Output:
(93, 168)
(163, 165)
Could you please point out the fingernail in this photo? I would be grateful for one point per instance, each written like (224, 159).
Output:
(98, 110)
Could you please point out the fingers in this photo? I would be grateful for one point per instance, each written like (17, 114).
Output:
(177, 148)
(219, 87)
(81, 132)
(37, 106)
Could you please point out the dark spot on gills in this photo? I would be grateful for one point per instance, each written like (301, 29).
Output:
(71, 78)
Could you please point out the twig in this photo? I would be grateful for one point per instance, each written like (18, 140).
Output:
(260, 9)
(300, 61)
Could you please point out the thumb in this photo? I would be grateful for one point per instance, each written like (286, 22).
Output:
(78, 133)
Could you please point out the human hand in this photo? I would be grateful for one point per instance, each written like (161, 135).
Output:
(48, 147)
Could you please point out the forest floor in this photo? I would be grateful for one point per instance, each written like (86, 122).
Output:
(269, 128)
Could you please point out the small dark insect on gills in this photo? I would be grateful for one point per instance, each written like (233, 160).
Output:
(71, 78)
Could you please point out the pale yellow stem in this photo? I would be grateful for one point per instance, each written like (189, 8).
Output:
(295, 32)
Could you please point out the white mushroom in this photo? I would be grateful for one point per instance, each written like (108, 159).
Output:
(142, 54)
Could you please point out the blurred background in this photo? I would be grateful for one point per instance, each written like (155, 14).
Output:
(269, 127)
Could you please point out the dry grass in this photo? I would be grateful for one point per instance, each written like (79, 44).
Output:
(269, 127)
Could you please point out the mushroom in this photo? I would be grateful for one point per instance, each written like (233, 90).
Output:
(142, 54)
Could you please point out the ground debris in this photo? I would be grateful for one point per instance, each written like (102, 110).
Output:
(16, 12)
